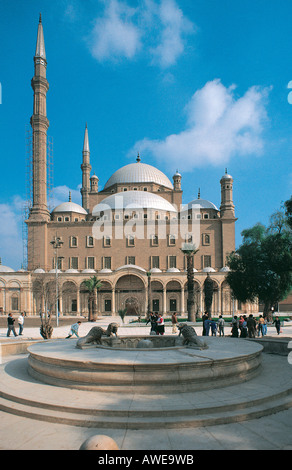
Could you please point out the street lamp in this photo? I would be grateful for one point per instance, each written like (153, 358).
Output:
(56, 243)
(189, 250)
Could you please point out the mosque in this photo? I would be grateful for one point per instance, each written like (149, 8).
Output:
(129, 234)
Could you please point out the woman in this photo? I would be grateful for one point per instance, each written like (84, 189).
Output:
(160, 325)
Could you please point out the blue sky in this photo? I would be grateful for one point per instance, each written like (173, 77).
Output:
(196, 86)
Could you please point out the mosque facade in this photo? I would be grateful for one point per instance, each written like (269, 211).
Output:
(129, 234)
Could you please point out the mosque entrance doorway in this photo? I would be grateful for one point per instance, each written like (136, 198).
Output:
(131, 295)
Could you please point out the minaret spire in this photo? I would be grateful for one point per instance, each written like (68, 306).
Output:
(86, 168)
(40, 124)
(40, 50)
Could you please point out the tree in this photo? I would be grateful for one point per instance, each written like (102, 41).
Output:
(189, 251)
(261, 268)
(44, 293)
(288, 211)
(92, 285)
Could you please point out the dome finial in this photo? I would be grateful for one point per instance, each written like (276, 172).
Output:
(138, 159)
(69, 196)
(199, 194)
(225, 171)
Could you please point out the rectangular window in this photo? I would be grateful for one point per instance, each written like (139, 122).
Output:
(107, 262)
(130, 240)
(172, 261)
(154, 240)
(155, 262)
(206, 261)
(74, 262)
(171, 240)
(73, 242)
(130, 260)
(59, 263)
(91, 262)
(89, 242)
(206, 239)
(14, 303)
(107, 242)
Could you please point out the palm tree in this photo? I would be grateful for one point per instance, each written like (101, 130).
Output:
(189, 250)
(92, 285)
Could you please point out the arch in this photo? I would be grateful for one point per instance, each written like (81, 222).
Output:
(68, 298)
(131, 286)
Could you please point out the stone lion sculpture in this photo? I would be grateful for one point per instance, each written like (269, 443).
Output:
(95, 334)
(190, 337)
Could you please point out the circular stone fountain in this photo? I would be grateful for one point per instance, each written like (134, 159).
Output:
(132, 364)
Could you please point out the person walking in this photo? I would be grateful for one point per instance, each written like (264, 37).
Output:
(204, 318)
(220, 325)
(207, 324)
(20, 323)
(10, 324)
(243, 330)
(160, 325)
(213, 327)
(251, 326)
(74, 330)
(260, 325)
(234, 327)
(277, 324)
(174, 322)
(264, 327)
(153, 321)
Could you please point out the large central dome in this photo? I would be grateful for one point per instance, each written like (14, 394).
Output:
(138, 173)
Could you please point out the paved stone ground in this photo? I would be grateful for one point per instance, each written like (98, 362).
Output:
(267, 433)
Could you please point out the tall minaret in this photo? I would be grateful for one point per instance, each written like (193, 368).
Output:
(86, 168)
(227, 206)
(40, 124)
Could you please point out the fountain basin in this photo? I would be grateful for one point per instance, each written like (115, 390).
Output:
(168, 369)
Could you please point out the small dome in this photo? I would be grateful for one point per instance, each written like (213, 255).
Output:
(69, 207)
(6, 269)
(54, 271)
(71, 271)
(199, 204)
(194, 270)
(155, 270)
(225, 269)
(209, 270)
(105, 271)
(173, 270)
(89, 271)
(130, 266)
(138, 173)
(39, 270)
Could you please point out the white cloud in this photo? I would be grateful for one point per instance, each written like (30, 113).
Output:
(158, 28)
(219, 126)
(171, 41)
(60, 194)
(115, 35)
(11, 246)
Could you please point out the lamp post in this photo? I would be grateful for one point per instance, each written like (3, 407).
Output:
(189, 250)
(57, 243)
(148, 294)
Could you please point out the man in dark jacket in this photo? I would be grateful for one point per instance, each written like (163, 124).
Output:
(251, 326)
(10, 324)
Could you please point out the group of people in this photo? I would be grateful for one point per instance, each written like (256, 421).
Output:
(210, 325)
(242, 327)
(11, 324)
(157, 323)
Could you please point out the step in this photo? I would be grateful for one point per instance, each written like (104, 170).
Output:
(147, 422)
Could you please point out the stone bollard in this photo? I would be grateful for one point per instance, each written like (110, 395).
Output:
(99, 442)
